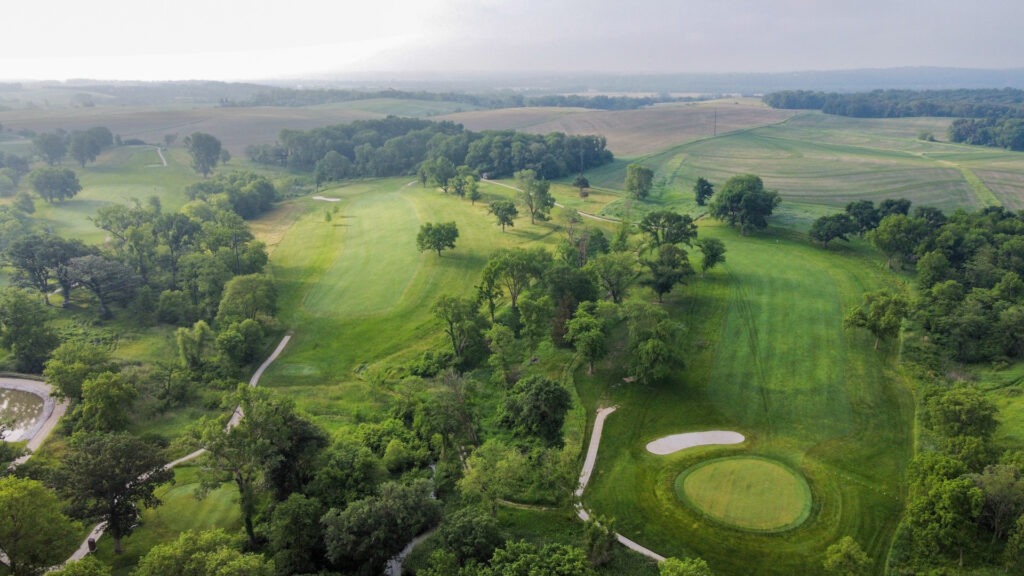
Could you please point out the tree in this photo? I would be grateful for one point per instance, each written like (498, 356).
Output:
(831, 227)
(582, 183)
(347, 471)
(24, 330)
(362, 537)
(440, 172)
(963, 411)
(587, 332)
(1003, 486)
(653, 351)
(106, 405)
(505, 211)
(74, 362)
(85, 148)
(295, 536)
(942, 520)
(536, 407)
(332, 167)
(470, 533)
(615, 272)
(882, 314)
(515, 269)
(847, 558)
(51, 147)
(34, 533)
(864, 214)
(702, 190)
(213, 552)
(742, 201)
(204, 150)
(88, 566)
(897, 236)
(254, 450)
(599, 540)
(107, 476)
(535, 194)
(53, 184)
(437, 236)
(671, 267)
(667, 227)
(30, 257)
(1013, 554)
(516, 558)
(109, 280)
(688, 567)
(639, 181)
(462, 323)
(250, 296)
(713, 251)
(891, 206)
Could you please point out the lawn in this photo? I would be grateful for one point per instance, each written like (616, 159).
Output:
(766, 356)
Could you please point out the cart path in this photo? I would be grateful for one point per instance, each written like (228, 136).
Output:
(236, 417)
(588, 468)
(580, 212)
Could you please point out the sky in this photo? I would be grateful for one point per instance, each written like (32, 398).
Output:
(264, 39)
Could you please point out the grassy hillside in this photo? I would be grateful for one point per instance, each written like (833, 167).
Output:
(766, 356)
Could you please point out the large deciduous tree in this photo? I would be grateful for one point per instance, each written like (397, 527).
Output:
(535, 194)
(462, 323)
(51, 147)
(882, 314)
(588, 334)
(653, 350)
(24, 330)
(896, 236)
(832, 227)
(667, 227)
(109, 280)
(437, 236)
(639, 181)
(251, 296)
(204, 150)
(208, 552)
(615, 272)
(702, 190)
(742, 201)
(34, 533)
(107, 476)
(536, 408)
(713, 251)
(515, 269)
(54, 184)
(505, 211)
(670, 267)
(368, 532)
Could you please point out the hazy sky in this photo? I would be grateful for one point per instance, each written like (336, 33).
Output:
(254, 39)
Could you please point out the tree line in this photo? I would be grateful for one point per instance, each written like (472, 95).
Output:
(494, 100)
(398, 146)
(960, 103)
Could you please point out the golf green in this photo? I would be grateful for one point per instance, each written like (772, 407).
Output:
(747, 492)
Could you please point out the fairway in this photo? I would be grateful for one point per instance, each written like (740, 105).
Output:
(766, 354)
(748, 493)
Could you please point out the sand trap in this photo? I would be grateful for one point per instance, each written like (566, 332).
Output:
(677, 442)
(326, 199)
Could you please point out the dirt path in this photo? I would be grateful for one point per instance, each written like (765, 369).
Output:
(588, 468)
(236, 417)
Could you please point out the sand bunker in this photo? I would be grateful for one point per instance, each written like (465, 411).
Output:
(326, 199)
(677, 442)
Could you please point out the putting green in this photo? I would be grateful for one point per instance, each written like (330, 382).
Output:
(747, 492)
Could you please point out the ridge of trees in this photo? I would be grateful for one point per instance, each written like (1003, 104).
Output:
(395, 146)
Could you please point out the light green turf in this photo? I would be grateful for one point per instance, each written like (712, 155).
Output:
(745, 492)
(357, 293)
(766, 356)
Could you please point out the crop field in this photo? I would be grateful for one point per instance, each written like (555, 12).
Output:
(632, 133)
(766, 356)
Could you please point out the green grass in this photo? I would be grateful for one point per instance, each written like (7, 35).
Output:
(766, 356)
(746, 492)
(180, 511)
(358, 294)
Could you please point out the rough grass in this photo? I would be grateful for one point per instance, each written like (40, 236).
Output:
(767, 356)
(748, 493)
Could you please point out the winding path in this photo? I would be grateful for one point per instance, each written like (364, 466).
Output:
(236, 417)
(588, 468)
